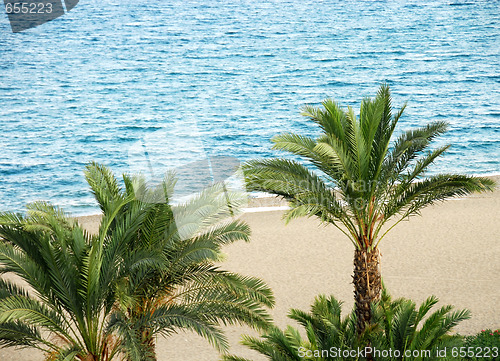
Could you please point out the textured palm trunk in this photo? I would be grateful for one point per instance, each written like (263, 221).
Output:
(148, 345)
(367, 285)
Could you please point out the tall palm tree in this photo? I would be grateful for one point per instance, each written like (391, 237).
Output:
(358, 180)
(186, 290)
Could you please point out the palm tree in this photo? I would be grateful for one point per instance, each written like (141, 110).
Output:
(358, 180)
(401, 328)
(414, 332)
(185, 290)
(325, 330)
(70, 279)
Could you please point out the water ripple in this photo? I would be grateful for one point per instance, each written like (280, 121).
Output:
(88, 85)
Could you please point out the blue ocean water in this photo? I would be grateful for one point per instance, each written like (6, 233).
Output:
(224, 77)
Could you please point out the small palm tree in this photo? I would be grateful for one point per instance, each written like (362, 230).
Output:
(325, 330)
(71, 283)
(399, 333)
(185, 290)
(358, 180)
(405, 330)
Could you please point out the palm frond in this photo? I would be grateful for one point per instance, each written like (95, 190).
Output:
(410, 199)
(404, 327)
(21, 334)
(103, 184)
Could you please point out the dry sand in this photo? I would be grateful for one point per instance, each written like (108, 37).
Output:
(451, 251)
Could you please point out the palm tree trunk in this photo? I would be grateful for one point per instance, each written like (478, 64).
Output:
(367, 285)
(148, 345)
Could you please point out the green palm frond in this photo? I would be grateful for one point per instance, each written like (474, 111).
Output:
(398, 326)
(167, 319)
(409, 199)
(294, 182)
(66, 354)
(405, 150)
(297, 144)
(246, 287)
(404, 327)
(276, 345)
(103, 184)
(324, 327)
(21, 334)
(234, 358)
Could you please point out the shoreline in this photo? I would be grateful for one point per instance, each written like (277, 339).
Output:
(269, 203)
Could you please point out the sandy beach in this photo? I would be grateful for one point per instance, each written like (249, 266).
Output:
(451, 251)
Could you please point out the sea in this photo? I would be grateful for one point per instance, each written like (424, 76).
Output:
(150, 86)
